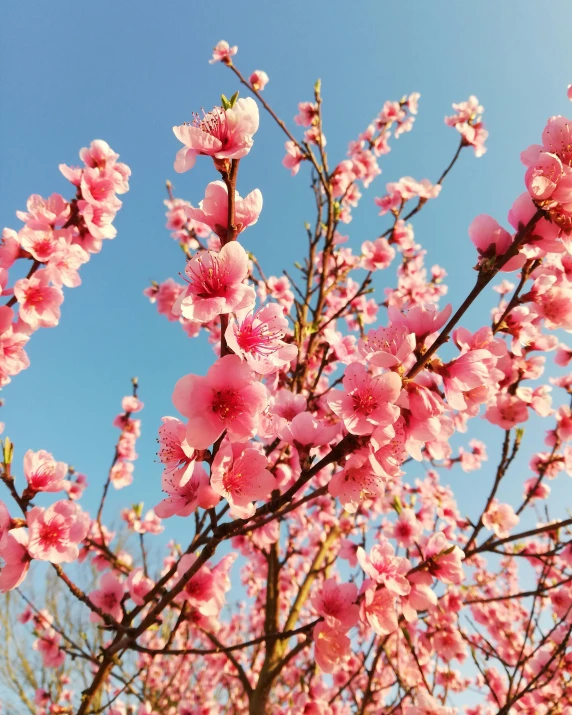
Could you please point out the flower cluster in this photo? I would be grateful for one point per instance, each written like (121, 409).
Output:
(57, 239)
(309, 462)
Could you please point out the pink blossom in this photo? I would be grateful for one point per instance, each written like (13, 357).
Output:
(39, 302)
(75, 489)
(222, 134)
(43, 473)
(555, 305)
(387, 347)
(470, 370)
(444, 559)
(377, 254)
(306, 431)
(108, 596)
(378, 608)
(215, 284)
(331, 647)
(421, 320)
(165, 295)
(258, 80)
(131, 404)
(240, 476)
(213, 209)
(186, 491)
(48, 645)
(257, 337)
(563, 355)
(491, 241)
(500, 518)
(121, 474)
(138, 586)
(288, 404)
(384, 567)
(228, 398)
(307, 114)
(45, 214)
(294, 157)
(222, 52)
(14, 555)
(336, 603)
(205, 590)
(174, 452)
(9, 248)
(542, 176)
(98, 189)
(507, 411)
(99, 221)
(407, 529)
(5, 524)
(41, 245)
(63, 265)
(467, 120)
(564, 423)
(366, 401)
(356, 482)
(428, 705)
(56, 532)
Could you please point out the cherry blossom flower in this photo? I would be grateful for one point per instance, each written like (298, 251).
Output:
(186, 490)
(331, 647)
(377, 254)
(121, 474)
(222, 134)
(257, 337)
(56, 532)
(228, 398)
(444, 559)
(357, 481)
(428, 705)
(384, 567)
(15, 559)
(500, 518)
(108, 596)
(304, 431)
(213, 209)
(507, 411)
(215, 284)
(294, 157)
(222, 52)
(39, 302)
(258, 80)
(240, 476)
(138, 586)
(387, 347)
(366, 401)
(336, 603)
(378, 608)
(492, 241)
(43, 473)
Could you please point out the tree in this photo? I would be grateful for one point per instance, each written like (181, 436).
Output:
(361, 589)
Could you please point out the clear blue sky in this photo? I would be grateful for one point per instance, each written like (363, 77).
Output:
(128, 71)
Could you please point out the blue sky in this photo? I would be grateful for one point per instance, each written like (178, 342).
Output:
(127, 72)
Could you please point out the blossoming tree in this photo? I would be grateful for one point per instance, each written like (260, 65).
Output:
(361, 586)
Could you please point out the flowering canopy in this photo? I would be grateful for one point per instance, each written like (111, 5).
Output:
(310, 463)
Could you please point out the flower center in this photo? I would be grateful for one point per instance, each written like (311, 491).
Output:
(208, 279)
(227, 404)
(364, 402)
(257, 339)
